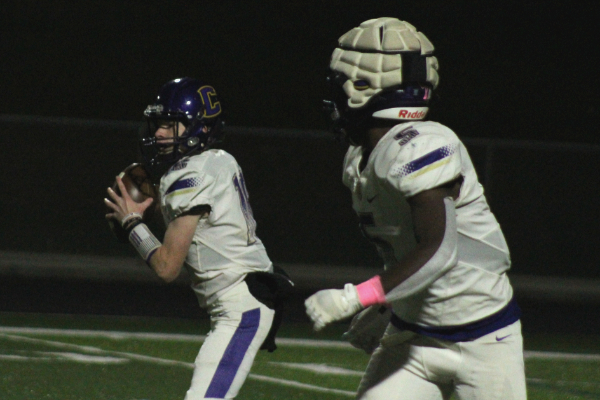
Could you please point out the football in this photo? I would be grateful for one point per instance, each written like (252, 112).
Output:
(139, 185)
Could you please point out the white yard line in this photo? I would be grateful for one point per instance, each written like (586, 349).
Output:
(300, 385)
(318, 368)
(102, 334)
(563, 383)
(95, 350)
(547, 355)
(331, 344)
(155, 360)
(53, 356)
(13, 333)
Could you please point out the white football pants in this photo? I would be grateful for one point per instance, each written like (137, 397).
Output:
(239, 325)
(407, 366)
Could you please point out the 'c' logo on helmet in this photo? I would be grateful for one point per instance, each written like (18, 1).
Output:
(212, 107)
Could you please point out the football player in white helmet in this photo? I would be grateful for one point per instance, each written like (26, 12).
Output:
(210, 232)
(440, 319)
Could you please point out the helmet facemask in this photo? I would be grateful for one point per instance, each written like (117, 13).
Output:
(183, 142)
(405, 102)
(190, 103)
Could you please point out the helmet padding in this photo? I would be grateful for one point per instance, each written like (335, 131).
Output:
(383, 54)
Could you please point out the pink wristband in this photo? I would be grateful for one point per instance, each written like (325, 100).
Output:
(371, 292)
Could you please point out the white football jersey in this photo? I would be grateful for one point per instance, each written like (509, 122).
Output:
(411, 158)
(224, 247)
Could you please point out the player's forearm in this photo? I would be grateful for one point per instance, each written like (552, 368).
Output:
(165, 265)
(408, 266)
(331, 305)
(435, 252)
(432, 258)
(168, 258)
(165, 262)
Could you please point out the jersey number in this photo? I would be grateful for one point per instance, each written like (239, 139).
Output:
(240, 186)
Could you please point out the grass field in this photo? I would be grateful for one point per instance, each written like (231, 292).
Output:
(72, 357)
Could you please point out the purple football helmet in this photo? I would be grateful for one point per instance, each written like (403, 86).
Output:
(194, 104)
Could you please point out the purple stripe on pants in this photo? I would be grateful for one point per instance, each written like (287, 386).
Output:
(234, 354)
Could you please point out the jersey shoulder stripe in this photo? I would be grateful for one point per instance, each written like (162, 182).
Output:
(430, 158)
(184, 184)
(428, 162)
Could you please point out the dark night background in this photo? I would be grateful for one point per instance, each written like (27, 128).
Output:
(523, 70)
(520, 75)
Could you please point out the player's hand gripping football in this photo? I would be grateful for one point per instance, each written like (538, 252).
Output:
(327, 306)
(124, 206)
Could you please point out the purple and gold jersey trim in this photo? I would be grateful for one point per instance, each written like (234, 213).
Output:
(428, 162)
(184, 184)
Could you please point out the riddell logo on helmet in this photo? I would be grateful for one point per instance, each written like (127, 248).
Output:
(405, 114)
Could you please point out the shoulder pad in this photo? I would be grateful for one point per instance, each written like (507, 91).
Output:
(419, 157)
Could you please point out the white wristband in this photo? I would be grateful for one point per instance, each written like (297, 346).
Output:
(129, 217)
(144, 241)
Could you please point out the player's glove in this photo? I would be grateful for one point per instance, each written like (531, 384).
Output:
(327, 306)
(367, 328)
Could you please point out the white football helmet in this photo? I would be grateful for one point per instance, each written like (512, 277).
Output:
(382, 69)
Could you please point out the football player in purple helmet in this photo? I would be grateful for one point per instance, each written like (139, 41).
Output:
(211, 232)
(193, 109)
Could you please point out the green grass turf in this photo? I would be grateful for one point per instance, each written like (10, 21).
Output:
(41, 370)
